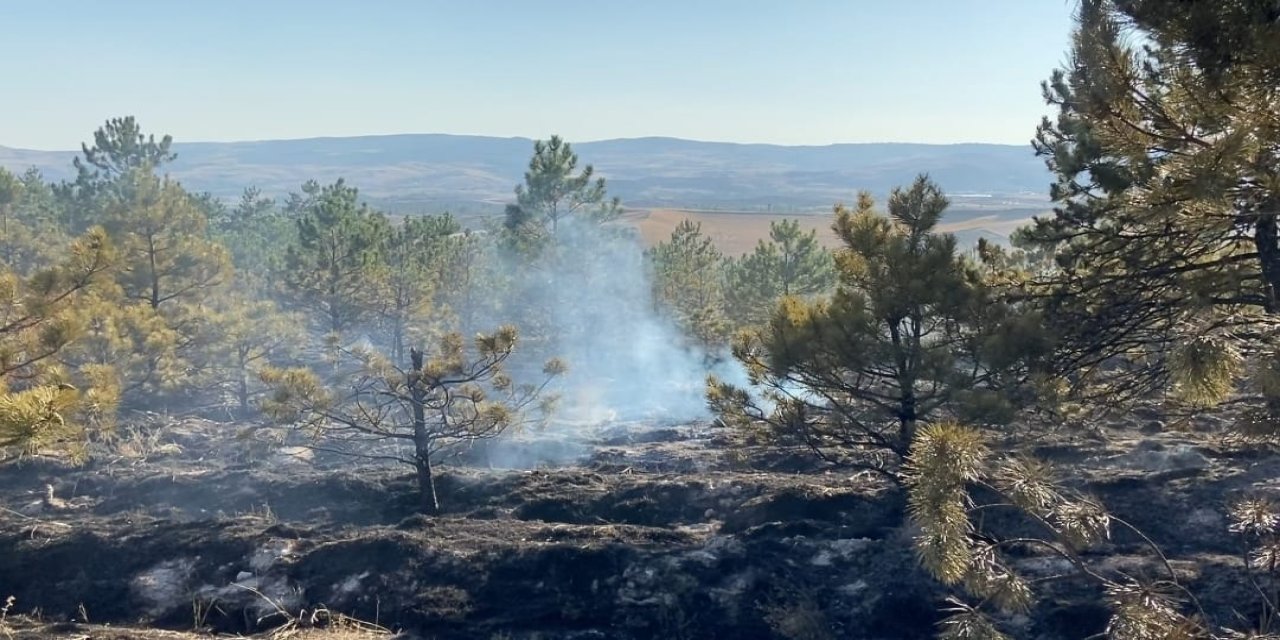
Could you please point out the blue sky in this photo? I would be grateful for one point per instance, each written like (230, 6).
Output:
(788, 72)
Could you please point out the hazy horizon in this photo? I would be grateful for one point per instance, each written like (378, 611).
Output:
(808, 74)
(179, 140)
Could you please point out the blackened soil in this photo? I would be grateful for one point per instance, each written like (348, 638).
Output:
(632, 531)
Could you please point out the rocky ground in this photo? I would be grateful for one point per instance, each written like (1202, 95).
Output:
(632, 530)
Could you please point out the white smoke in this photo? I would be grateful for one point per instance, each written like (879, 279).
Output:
(627, 360)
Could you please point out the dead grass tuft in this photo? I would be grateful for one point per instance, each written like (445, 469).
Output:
(319, 622)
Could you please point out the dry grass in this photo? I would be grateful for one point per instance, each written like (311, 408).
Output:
(316, 623)
(4, 617)
(333, 627)
(336, 627)
(140, 443)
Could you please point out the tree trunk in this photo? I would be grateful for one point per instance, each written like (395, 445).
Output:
(430, 502)
(905, 378)
(907, 420)
(397, 337)
(155, 277)
(1265, 238)
(243, 392)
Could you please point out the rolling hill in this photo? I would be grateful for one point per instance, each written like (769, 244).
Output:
(735, 189)
(645, 172)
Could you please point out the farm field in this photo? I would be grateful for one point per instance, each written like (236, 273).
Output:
(737, 232)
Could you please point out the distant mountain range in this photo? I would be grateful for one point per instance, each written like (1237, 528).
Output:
(477, 171)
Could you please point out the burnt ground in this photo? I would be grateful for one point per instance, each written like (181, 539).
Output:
(633, 530)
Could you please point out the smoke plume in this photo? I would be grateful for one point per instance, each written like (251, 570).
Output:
(627, 360)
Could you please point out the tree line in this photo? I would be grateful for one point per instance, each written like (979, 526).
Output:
(124, 290)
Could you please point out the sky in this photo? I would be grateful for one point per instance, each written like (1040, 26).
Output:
(781, 71)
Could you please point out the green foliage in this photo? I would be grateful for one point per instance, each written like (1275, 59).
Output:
(968, 623)
(10, 191)
(40, 408)
(548, 246)
(911, 331)
(120, 147)
(254, 230)
(36, 418)
(148, 309)
(30, 233)
(1165, 148)
(792, 263)
(37, 204)
(166, 258)
(688, 282)
(134, 341)
(555, 190)
(944, 461)
(145, 328)
(153, 326)
(1141, 612)
(477, 282)
(949, 464)
(1204, 369)
(35, 321)
(416, 259)
(248, 336)
(26, 249)
(327, 271)
(299, 202)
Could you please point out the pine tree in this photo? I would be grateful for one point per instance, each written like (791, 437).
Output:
(330, 271)
(250, 336)
(414, 263)
(166, 257)
(792, 263)
(119, 149)
(299, 202)
(42, 404)
(253, 231)
(1167, 157)
(168, 271)
(30, 236)
(36, 204)
(451, 397)
(10, 191)
(478, 284)
(909, 334)
(553, 192)
(15, 238)
(550, 241)
(688, 282)
(960, 492)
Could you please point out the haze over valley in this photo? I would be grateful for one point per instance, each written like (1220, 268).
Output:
(994, 188)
